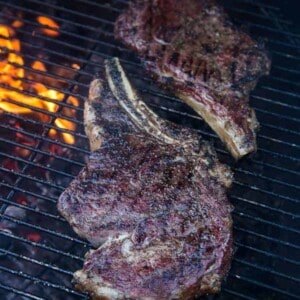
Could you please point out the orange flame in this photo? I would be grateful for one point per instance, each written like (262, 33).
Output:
(12, 74)
(52, 29)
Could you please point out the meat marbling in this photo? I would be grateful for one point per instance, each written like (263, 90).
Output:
(193, 49)
(152, 197)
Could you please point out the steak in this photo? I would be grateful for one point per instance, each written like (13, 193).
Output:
(192, 48)
(152, 198)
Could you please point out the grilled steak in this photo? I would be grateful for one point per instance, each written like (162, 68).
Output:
(193, 49)
(152, 196)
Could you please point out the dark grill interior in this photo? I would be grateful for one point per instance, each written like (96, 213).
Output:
(38, 250)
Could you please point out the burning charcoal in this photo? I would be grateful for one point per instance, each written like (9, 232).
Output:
(15, 212)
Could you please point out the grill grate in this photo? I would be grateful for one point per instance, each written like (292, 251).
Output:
(38, 250)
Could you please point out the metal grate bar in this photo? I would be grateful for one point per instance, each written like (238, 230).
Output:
(285, 55)
(34, 108)
(35, 136)
(282, 92)
(260, 4)
(289, 70)
(236, 294)
(38, 196)
(268, 178)
(267, 286)
(276, 30)
(48, 62)
(40, 228)
(43, 152)
(279, 155)
(53, 52)
(42, 246)
(267, 192)
(47, 125)
(267, 270)
(43, 73)
(264, 206)
(269, 254)
(58, 102)
(263, 221)
(285, 80)
(280, 128)
(37, 262)
(18, 292)
(34, 179)
(36, 164)
(37, 211)
(285, 44)
(293, 107)
(276, 241)
(43, 282)
(256, 15)
(48, 74)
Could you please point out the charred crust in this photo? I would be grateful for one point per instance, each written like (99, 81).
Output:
(204, 50)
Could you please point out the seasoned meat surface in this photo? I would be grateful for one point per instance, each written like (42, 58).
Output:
(152, 197)
(193, 49)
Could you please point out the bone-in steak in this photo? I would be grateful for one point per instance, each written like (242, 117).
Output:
(153, 195)
(193, 49)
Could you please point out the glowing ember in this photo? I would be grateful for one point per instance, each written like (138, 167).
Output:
(76, 66)
(37, 65)
(11, 76)
(34, 237)
(22, 200)
(53, 26)
(17, 24)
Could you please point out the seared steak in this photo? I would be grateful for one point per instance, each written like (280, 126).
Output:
(153, 195)
(193, 49)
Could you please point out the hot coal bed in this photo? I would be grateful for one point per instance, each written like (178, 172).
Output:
(49, 52)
